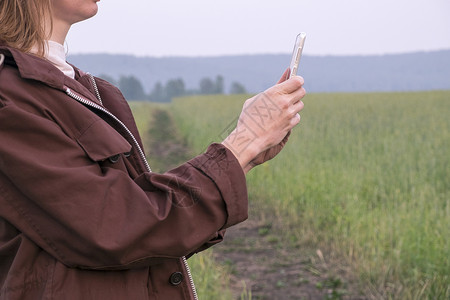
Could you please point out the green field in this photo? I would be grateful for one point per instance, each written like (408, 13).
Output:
(365, 178)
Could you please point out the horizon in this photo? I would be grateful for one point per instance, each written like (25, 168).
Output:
(421, 70)
(261, 54)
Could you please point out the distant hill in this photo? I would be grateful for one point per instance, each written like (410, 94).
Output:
(399, 72)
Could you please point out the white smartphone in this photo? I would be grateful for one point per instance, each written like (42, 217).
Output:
(297, 53)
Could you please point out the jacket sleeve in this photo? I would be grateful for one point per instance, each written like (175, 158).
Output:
(89, 215)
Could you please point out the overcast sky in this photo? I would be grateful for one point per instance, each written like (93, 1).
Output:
(228, 27)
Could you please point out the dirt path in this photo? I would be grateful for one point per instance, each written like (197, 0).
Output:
(165, 147)
(254, 252)
(275, 271)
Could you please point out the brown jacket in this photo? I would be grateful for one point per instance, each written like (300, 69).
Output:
(81, 216)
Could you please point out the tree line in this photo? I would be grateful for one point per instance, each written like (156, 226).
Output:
(132, 88)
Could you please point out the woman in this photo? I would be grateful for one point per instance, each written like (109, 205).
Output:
(81, 214)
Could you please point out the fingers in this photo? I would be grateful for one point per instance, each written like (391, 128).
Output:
(291, 85)
(295, 112)
(295, 120)
(287, 96)
(285, 76)
(287, 87)
(298, 95)
(285, 100)
(298, 106)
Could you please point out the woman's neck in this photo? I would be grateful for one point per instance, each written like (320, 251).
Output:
(59, 31)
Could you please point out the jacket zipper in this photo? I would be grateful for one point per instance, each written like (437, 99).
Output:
(191, 280)
(94, 84)
(136, 144)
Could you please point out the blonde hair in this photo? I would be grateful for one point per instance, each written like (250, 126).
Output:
(22, 24)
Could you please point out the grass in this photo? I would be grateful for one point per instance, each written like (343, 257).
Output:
(211, 279)
(364, 177)
(143, 114)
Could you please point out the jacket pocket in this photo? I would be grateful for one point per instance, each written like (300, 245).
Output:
(101, 142)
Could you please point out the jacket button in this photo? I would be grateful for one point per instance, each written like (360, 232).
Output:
(176, 278)
(114, 158)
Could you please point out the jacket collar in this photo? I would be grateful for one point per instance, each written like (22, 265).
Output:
(36, 68)
(33, 67)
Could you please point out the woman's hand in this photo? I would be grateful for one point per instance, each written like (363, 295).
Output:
(265, 122)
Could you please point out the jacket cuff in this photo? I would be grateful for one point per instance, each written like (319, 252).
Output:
(222, 167)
